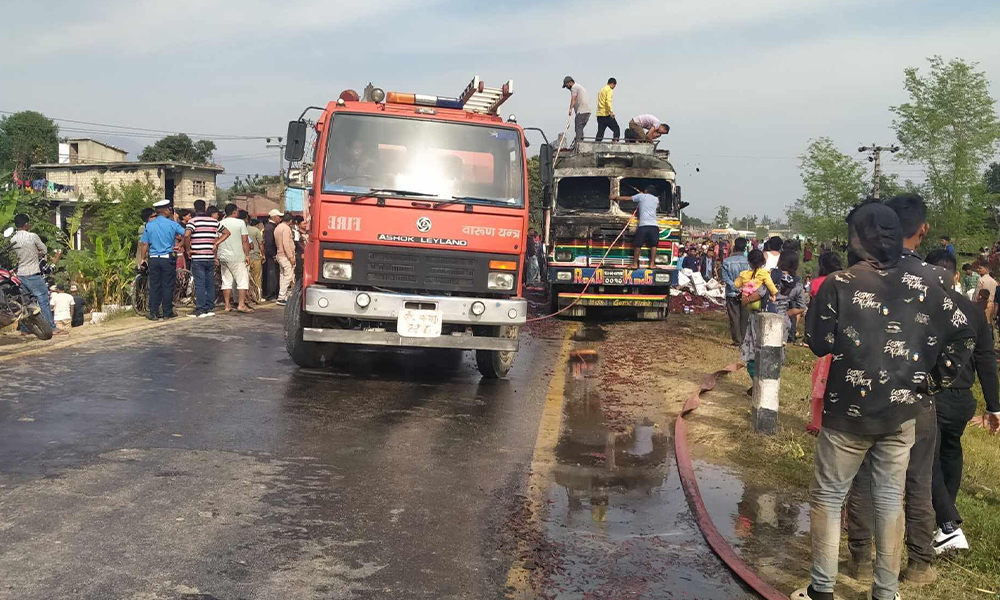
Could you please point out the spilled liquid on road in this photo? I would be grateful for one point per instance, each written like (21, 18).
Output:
(617, 523)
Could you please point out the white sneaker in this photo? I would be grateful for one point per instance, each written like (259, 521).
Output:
(203, 315)
(946, 542)
(193, 316)
(210, 313)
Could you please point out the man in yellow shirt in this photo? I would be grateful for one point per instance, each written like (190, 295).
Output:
(605, 114)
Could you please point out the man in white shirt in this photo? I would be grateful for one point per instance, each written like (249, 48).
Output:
(579, 101)
(646, 128)
(62, 308)
(234, 253)
(772, 252)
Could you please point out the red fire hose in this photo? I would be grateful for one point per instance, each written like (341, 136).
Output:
(690, 484)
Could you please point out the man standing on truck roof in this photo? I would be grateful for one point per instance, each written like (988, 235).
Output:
(605, 113)
(648, 232)
(646, 128)
(578, 100)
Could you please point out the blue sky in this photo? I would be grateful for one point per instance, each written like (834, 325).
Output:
(744, 86)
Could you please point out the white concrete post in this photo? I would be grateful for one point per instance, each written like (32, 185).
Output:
(767, 378)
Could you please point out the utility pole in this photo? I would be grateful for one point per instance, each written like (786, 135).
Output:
(281, 153)
(875, 156)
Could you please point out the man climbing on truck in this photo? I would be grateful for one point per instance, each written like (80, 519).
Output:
(647, 233)
(645, 128)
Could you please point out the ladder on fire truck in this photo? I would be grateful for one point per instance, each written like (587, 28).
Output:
(477, 98)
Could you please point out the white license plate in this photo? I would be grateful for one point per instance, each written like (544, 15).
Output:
(419, 323)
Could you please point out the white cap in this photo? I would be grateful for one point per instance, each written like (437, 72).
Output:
(274, 212)
(161, 204)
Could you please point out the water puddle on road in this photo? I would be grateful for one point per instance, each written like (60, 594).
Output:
(616, 521)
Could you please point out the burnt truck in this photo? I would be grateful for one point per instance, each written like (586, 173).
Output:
(582, 223)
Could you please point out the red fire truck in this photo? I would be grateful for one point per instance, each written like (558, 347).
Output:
(417, 211)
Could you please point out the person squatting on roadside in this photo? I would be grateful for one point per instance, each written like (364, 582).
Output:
(887, 328)
(956, 406)
(731, 268)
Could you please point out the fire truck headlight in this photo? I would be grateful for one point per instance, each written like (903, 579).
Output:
(363, 300)
(378, 94)
(337, 271)
(478, 308)
(564, 256)
(564, 276)
(500, 281)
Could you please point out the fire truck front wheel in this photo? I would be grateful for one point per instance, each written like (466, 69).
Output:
(495, 364)
(309, 355)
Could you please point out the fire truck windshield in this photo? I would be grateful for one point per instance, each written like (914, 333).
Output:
(472, 163)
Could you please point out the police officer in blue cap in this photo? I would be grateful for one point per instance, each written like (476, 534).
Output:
(156, 247)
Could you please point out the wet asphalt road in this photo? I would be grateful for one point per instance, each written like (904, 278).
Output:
(199, 463)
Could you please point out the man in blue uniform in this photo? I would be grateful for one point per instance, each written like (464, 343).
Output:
(156, 247)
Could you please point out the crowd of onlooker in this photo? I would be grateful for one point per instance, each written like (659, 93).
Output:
(900, 341)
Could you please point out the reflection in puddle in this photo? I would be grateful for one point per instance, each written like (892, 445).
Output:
(617, 523)
(745, 513)
(590, 332)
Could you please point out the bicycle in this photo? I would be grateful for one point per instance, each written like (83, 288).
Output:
(138, 291)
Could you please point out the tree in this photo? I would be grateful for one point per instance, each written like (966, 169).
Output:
(120, 205)
(254, 184)
(950, 126)
(27, 138)
(722, 217)
(179, 148)
(833, 183)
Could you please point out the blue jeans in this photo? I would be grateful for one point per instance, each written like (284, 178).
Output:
(838, 458)
(36, 285)
(203, 272)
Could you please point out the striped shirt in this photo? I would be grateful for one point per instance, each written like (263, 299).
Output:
(204, 231)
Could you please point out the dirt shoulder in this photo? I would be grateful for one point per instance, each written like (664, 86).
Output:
(769, 524)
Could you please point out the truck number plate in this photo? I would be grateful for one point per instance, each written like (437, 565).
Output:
(419, 323)
(613, 277)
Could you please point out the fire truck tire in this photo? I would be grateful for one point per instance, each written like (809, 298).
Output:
(495, 364)
(308, 355)
(553, 299)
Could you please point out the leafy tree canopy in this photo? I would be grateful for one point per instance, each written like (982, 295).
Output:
(27, 138)
(179, 148)
(833, 182)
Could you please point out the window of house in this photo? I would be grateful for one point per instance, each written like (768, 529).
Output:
(199, 188)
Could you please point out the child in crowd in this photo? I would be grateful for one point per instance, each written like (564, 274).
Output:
(829, 263)
(754, 284)
(790, 300)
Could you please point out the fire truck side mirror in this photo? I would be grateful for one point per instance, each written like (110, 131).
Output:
(545, 164)
(296, 141)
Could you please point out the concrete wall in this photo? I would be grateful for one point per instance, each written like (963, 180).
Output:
(82, 179)
(90, 152)
(185, 192)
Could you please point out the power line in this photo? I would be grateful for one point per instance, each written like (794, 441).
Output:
(132, 129)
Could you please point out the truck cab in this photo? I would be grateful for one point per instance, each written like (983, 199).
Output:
(584, 223)
(417, 216)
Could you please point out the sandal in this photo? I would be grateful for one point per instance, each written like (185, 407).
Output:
(245, 310)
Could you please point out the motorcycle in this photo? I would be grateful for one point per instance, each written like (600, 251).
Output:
(17, 304)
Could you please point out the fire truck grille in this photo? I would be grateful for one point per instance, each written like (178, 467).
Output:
(422, 269)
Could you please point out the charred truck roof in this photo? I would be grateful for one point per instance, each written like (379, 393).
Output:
(586, 178)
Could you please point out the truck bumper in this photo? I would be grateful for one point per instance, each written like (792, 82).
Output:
(455, 310)
(627, 300)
